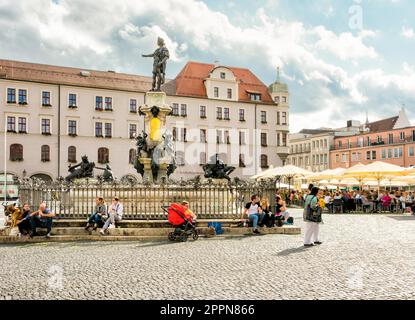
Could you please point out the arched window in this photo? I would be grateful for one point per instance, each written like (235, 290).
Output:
(16, 152)
(103, 155)
(72, 154)
(45, 153)
(264, 161)
(132, 156)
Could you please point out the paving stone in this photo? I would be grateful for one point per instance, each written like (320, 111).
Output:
(362, 257)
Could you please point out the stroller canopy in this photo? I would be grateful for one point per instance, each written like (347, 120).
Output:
(177, 214)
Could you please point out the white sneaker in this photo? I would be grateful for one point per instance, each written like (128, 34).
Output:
(112, 226)
(102, 232)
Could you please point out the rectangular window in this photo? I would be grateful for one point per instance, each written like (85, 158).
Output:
(277, 100)
(22, 96)
(46, 99)
(284, 99)
(108, 130)
(175, 107)
(72, 100)
(219, 113)
(174, 133)
(255, 97)
(203, 136)
(369, 143)
(368, 155)
(390, 153)
(183, 110)
(374, 155)
(227, 137)
(226, 113)
(241, 138)
(98, 129)
(108, 103)
(241, 160)
(263, 139)
(72, 127)
(11, 95)
(184, 134)
(229, 93)
(413, 135)
(132, 131)
(390, 138)
(241, 114)
(133, 105)
(337, 158)
(284, 139)
(11, 124)
(402, 135)
(278, 119)
(45, 126)
(400, 152)
(202, 158)
(384, 154)
(98, 103)
(203, 112)
(344, 157)
(396, 153)
(263, 116)
(218, 136)
(216, 92)
(22, 125)
(284, 118)
(278, 139)
(411, 151)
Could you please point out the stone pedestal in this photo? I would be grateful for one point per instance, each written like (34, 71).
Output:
(155, 99)
(155, 111)
(148, 174)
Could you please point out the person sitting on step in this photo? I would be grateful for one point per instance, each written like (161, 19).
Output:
(42, 218)
(96, 219)
(115, 212)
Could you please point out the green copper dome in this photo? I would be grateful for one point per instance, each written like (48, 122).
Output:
(278, 86)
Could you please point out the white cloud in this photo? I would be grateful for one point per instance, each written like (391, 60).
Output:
(408, 32)
(111, 35)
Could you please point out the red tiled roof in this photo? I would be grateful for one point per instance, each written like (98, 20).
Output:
(382, 125)
(16, 70)
(190, 82)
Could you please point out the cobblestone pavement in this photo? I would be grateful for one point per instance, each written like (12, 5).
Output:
(362, 257)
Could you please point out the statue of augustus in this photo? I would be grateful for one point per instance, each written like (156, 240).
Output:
(160, 57)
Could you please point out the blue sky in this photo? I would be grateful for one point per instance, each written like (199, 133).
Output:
(339, 58)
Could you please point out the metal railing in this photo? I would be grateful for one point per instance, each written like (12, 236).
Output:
(208, 199)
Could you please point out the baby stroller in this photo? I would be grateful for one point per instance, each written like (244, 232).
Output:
(184, 227)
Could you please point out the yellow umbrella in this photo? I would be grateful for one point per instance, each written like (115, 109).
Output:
(377, 170)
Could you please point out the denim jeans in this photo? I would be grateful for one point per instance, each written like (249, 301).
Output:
(94, 218)
(255, 218)
(36, 222)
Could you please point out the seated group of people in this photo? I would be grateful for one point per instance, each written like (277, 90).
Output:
(105, 217)
(260, 213)
(27, 221)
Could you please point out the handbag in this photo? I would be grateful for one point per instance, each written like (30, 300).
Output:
(313, 215)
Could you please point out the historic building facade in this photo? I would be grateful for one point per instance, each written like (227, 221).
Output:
(389, 140)
(310, 148)
(51, 116)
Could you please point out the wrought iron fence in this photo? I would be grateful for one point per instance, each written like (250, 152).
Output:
(209, 199)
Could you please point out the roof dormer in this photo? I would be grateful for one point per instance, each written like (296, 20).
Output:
(222, 84)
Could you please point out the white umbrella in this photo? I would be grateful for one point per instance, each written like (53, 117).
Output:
(327, 174)
(289, 172)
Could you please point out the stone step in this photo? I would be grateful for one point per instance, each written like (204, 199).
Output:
(124, 231)
(143, 223)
